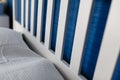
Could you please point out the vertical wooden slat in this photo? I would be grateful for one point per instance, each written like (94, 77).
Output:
(17, 25)
(22, 12)
(80, 34)
(109, 51)
(32, 16)
(48, 22)
(61, 28)
(13, 2)
(39, 19)
(26, 15)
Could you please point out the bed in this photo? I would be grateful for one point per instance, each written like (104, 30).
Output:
(44, 25)
(18, 62)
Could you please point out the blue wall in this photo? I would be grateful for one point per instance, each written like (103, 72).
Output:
(44, 12)
(54, 26)
(35, 16)
(116, 74)
(2, 8)
(70, 27)
(18, 10)
(29, 15)
(96, 26)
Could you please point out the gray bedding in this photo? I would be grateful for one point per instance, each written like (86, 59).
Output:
(18, 62)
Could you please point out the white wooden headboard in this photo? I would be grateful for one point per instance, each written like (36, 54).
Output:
(110, 46)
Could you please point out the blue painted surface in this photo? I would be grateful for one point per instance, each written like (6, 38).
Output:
(35, 17)
(116, 74)
(70, 29)
(29, 15)
(10, 6)
(2, 5)
(18, 10)
(24, 24)
(43, 27)
(54, 26)
(96, 26)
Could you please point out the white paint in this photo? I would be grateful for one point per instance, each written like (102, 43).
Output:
(48, 22)
(110, 46)
(26, 21)
(22, 12)
(80, 34)
(39, 19)
(32, 16)
(61, 28)
(18, 27)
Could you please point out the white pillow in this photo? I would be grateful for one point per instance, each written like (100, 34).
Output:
(8, 36)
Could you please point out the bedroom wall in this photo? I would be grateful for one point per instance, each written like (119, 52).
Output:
(6, 8)
(3, 4)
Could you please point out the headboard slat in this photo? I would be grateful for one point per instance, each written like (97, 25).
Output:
(61, 28)
(32, 16)
(26, 15)
(22, 12)
(48, 22)
(39, 19)
(80, 34)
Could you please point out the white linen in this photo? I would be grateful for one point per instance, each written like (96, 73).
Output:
(21, 63)
(8, 36)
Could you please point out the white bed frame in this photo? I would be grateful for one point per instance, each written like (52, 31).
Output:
(110, 45)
